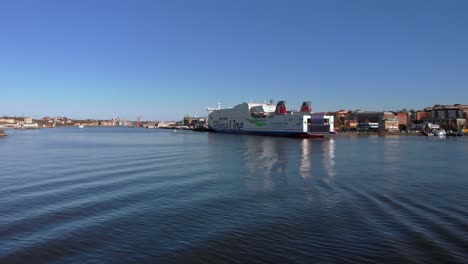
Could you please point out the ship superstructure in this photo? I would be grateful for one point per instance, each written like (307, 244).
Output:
(268, 119)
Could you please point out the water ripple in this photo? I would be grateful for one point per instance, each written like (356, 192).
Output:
(151, 196)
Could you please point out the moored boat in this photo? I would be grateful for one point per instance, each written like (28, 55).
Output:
(434, 130)
(451, 133)
(271, 120)
(439, 132)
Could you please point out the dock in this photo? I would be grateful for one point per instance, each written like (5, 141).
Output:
(377, 133)
(455, 134)
(202, 129)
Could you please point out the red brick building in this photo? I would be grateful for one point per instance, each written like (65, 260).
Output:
(422, 115)
(402, 118)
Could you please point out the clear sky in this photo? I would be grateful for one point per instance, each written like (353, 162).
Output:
(164, 59)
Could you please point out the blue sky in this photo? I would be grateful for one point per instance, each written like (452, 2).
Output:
(165, 59)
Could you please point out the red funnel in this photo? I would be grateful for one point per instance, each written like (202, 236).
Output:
(281, 108)
(306, 107)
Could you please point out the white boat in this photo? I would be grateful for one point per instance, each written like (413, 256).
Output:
(266, 119)
(81, 126)
(26, 126)
(434, 130)
(439, 132)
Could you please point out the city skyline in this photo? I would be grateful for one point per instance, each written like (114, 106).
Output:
(162, 60)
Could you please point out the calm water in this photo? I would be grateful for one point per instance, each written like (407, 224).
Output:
(136, 195)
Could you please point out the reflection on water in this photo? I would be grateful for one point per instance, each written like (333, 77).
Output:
(329, 157)
(306, 162)
(266, 157)
(152, 196)
(391, 156)
(308, 155)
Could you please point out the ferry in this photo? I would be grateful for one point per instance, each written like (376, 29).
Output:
(268, 119)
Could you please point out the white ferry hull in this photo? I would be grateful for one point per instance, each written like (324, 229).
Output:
(243, 119)
(275, 133)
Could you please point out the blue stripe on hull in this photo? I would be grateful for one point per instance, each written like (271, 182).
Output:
(269, 133)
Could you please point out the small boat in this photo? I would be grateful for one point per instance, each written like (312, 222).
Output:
(439, 132)
(434, 130)
(451, 133)
(81, 126)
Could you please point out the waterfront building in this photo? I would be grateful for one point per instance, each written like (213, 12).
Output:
(448, 116)
(201, 123)
(28, 120)
(389, 125)
(422, 115)
(351, 124)
(368, 116)
(190, 121)
(368, 127)
(151, 125)
(166, 124)
(26, 123)
(402, 118)
(372, 116)
(341, 117)
(7, 121)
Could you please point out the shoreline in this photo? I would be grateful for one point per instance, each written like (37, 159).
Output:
(380, 134)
